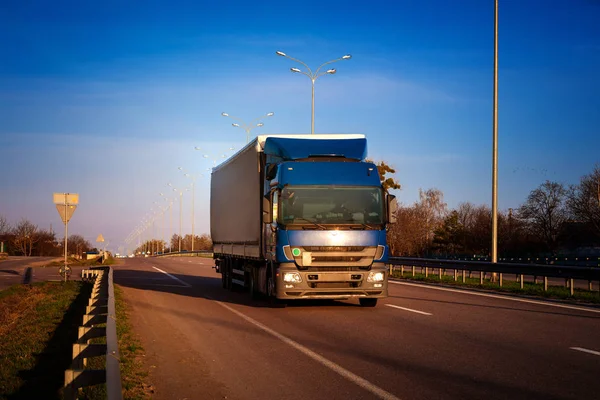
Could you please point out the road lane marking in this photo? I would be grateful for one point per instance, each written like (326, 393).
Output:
(596, 353)
(173, 277)
(365, 384)
(409, 309)
(543, 303)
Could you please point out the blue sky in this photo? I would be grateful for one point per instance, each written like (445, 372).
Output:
(108, 99)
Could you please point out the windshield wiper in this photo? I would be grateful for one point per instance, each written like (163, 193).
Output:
(362, 225)
(312, 222)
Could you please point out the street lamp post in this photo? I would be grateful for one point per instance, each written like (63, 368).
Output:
(495, 144)
(180, 208)
(170, 202)
(164, 228)
(214, 158)
(180, 212)
(313, 77)
(193, 178)
(247, 127)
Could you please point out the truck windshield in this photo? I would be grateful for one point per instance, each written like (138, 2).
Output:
(325, 205)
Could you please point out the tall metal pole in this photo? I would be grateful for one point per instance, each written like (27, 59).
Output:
(180, 217)
(247, 127)
(66, 236)
(193, 202)
(170, 225)
(313, 77)
(164, 229)
(495, 144)
(312, 112)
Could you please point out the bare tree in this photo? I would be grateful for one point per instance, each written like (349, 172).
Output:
(481, 231)
(405, 237)
(78, 245)
(5, 234)
(46, 244)
(432, 206)
(545, 211)
(4, 226)
(24, 236)
(204, 242)
(583, 200)
(174, 245)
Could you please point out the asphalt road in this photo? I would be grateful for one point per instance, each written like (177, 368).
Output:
(423, 342)
(12, 270)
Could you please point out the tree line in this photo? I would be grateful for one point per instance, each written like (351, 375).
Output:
(554, 219)
(27, 239)
(153, 246)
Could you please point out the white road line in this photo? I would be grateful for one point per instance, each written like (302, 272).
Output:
(376, 390)
(494, 296)
(156, 285)
(409, 309)
(173, 277)
(596, 353)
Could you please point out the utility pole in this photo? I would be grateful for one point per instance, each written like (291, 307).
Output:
(495, 149)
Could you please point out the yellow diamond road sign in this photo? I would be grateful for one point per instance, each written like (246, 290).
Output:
(100, 238)
(65, 212)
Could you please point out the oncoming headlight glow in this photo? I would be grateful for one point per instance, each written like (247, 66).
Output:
(376, 276)
(292, 277)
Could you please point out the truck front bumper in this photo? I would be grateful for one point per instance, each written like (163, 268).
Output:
(292, 283)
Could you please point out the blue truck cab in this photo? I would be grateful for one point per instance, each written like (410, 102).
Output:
(323, 222)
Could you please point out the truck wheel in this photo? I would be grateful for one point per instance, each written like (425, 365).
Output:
(368, 302)
(223, 278)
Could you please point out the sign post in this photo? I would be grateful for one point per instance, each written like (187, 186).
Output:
(100, 239)
(66, 203)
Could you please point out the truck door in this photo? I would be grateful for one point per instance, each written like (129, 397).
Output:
(270, 230)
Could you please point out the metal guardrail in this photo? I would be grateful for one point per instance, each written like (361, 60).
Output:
(183, 253)
(569, 273)
(579, 261)
(98, 321)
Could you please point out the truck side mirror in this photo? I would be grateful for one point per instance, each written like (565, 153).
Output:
(266, 209)
(392, 207)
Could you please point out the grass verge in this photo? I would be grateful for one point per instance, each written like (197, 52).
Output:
(134, 373)
(38, 326)
(75, 262)
(529, 288)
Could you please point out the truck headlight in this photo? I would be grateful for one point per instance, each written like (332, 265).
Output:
(292, 277)
(376, 276)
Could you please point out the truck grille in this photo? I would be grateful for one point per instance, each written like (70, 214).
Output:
(335, 257)
(331, 269)
(333, 248)
(325, 259)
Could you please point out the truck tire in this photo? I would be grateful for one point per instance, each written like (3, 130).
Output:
(367, 302)
(223, 269)
(223, 278)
